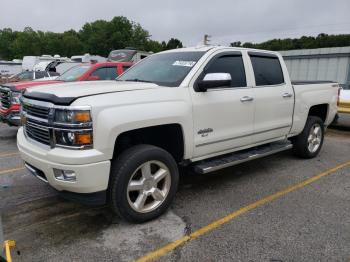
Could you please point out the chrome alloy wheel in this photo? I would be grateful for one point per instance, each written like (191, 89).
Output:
(148, 186)
(315, 138)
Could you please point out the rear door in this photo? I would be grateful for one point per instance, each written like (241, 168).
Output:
(223, 117)
(274, 98)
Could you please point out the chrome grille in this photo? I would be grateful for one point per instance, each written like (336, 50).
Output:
(36, 111)
(5, 97)
(36, 124)
(37, 131)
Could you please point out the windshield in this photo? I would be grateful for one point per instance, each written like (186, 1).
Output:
(28, 75)
(74, 73)
(166, 69)
(121, 55)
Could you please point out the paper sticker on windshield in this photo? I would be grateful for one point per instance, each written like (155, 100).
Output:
(184, 63)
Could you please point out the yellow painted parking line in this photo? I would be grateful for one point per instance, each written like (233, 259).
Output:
(216, 224)
(8, 245)
(8, 154)
(6, 171)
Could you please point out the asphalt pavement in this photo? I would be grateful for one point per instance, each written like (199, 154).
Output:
(311, 223)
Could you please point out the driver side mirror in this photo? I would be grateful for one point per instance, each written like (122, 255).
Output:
(214, 80)
(93, 78)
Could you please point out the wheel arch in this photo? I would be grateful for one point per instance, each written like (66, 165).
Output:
(169, 137)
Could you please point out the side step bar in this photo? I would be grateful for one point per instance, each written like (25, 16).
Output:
(236, 158)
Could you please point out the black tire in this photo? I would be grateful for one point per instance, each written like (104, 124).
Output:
(123, 168)
(300, 142)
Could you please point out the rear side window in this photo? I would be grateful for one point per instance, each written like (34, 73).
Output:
(267, 70)
(232, 64)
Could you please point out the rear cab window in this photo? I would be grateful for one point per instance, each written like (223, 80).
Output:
(267, 69)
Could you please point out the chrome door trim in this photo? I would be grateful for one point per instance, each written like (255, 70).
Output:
(236, 137)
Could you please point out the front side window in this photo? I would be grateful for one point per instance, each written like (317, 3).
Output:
(111, 73)
(267, 70)
(74, 73)
(165, 69)
(100, 72)
(232, 64)
(106, 73)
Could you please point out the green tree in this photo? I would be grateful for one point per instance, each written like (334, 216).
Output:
(7, 36)
(304, 42)
(98, 38)
(174, 43)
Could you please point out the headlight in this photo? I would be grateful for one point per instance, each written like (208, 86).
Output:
(15, 97)
(74, 139)
(73, 128)
(72, 116)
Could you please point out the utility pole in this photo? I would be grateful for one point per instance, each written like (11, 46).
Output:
(206, 39)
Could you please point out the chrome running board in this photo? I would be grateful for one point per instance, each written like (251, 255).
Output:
(217, 163)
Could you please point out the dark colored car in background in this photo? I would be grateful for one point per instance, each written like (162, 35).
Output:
(28, 76)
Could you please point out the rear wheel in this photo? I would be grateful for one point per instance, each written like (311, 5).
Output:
(144, 180)
(309, 143)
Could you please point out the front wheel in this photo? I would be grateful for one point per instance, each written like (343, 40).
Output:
(144, 180)
(309, 143)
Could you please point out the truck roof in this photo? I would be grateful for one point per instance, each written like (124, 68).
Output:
(206, 48)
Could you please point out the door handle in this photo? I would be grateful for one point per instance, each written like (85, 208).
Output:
(247, 99)
(287, 95)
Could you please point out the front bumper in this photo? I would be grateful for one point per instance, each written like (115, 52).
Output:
(91, 177)
(12, 118)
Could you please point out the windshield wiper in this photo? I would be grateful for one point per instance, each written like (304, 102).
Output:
(138, 80)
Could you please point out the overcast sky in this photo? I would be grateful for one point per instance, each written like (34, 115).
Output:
(225, 20)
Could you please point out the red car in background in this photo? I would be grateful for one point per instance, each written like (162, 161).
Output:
(10, 93)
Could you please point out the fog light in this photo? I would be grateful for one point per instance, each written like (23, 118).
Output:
(64, 175)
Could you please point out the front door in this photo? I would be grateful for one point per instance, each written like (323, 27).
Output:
(223, 117)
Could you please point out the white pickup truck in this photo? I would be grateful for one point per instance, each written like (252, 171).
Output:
(123, 142)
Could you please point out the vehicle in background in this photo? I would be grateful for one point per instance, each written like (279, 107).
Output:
(204, 108)
(87, 58)
(95, 71)
(10, 93)
(29, 76)
(29, 62)
(344, 101)
(10, 68)
(65, 66)
(60, 69)
(127, 54)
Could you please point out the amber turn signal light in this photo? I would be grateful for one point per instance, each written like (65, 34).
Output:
(83, 139)
(82, 117)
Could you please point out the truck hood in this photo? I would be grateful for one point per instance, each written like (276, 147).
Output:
(65, 94)
(18, 86)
